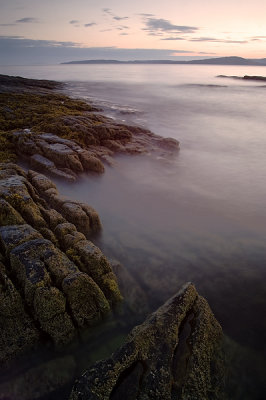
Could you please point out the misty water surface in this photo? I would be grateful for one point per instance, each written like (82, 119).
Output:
(198, 215)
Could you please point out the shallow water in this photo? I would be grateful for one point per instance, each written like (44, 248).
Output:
(198, 216)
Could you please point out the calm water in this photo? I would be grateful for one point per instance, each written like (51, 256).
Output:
(199, 216)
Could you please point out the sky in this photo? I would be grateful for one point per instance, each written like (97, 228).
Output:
(53, 31)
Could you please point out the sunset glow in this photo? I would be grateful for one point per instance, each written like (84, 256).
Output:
(192, 28)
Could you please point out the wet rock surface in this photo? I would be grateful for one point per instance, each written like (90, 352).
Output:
(53, 281)
(64, 158)
(174, 354)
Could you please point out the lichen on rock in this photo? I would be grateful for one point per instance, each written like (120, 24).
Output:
(170, 356)
(42, 276)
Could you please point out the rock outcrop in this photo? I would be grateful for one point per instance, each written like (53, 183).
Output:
(174, 354)
(53, 280)
(66, 159)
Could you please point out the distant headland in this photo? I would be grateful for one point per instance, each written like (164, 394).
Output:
(208, 61)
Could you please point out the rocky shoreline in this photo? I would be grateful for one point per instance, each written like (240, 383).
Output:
(66, 137)
(55, 283)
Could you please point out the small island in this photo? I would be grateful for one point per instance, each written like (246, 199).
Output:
(207, 61)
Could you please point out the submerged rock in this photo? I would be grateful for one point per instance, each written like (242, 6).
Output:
(41, 381)
(174, 354)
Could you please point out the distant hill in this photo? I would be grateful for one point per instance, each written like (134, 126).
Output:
(207, 61)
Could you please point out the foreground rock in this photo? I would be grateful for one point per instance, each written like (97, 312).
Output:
(53, 280)
(174, 354)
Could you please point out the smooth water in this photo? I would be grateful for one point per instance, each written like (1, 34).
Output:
(198, 216)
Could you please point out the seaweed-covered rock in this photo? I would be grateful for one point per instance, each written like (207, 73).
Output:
(68, 236)
(17, 330)
(89, 259)
(86, 300)
(42, 269)
(92, 261)
(13, 235)
(8, 215)
(17, 191)
(50, 309)
(83, 216)
(172, 355)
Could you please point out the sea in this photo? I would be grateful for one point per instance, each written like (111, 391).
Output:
(197, 215)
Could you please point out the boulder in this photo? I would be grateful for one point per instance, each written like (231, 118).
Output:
(172, 355)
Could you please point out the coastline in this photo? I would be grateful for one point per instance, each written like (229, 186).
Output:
(40, 194)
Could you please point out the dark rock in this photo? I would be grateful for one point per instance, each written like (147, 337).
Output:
(86, 300)
(14, 189)
(18, 333)
(91, 163)
(68, 235)
(40, 162)
(134, 296)
(254, 78)
(91, 260)
(50, 310)
(52, 217)
(13, 235)
(113, 145)
(61, 155)
(41, 381)
(58, 297)
(169, 143)
(84, 217)
(172, 355)
(8, 215)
